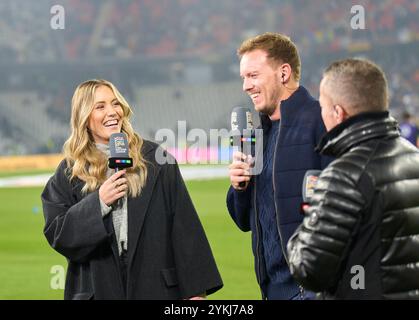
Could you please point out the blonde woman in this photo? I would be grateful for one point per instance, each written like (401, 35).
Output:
(133, 234)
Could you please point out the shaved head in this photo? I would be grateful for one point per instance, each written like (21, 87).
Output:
(358, 85)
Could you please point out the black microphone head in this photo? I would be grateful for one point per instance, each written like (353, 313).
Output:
(118, 146)
(241, 119)
(242, 131)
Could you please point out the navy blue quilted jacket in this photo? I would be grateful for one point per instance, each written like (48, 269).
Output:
(301, 129)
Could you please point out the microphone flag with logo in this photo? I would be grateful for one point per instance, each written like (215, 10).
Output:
(118, 147)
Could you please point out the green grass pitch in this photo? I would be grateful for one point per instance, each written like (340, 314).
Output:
(26, 258)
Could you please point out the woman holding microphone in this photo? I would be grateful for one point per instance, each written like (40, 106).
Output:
(133, 234)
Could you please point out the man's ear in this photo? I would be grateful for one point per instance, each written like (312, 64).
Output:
(285, 72)
(340, 114)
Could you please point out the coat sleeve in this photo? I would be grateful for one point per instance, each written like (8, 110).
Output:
(72, 228)
(196, 268)
(239, 205)
(319, 247)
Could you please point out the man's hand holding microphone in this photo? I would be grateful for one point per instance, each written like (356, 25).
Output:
(239, 170)
(243, 141)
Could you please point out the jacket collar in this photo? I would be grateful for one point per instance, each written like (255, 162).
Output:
(147, 147)
(138, 206)
(289, 107)
(357, 129)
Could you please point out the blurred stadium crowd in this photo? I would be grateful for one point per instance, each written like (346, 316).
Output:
(172, 58)
(166, 28)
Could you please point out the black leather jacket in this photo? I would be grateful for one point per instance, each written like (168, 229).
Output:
(360, 236)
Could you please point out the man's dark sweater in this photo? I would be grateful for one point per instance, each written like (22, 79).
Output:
(279, 281)
(272, 252)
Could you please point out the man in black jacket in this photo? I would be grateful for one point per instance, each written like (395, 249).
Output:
(359, 238)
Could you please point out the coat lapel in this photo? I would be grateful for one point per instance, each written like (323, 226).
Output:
(137, 211)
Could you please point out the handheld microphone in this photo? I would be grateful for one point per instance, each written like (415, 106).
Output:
(118, 146)
(309, 184)
(119, 159)
(242, 132)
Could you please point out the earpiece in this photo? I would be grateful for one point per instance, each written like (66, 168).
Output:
(283, 74)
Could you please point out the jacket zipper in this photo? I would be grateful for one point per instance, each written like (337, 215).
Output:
(276, 207)
(284, 252)
(257, 242)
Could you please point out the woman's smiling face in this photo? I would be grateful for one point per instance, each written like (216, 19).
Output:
(106, 117)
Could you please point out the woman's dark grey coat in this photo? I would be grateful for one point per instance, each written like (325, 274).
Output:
(169, 256)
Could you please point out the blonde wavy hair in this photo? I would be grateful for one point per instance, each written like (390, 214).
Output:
(84, 160)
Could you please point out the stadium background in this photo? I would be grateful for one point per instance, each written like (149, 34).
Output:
(172, 60)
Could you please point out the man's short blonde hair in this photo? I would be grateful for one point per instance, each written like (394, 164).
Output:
(358, 84)
(279, 48)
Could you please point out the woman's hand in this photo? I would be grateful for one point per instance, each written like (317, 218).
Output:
(114, 188)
